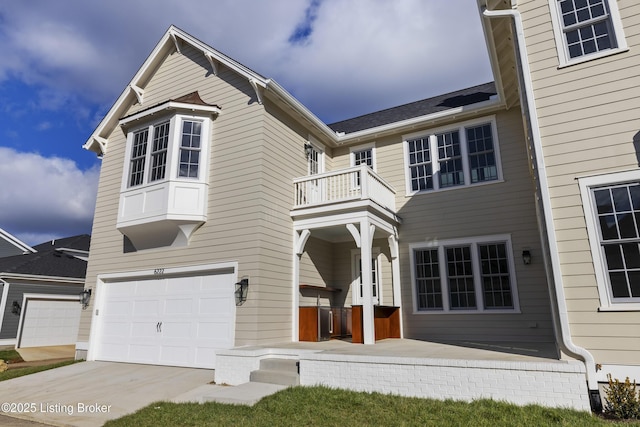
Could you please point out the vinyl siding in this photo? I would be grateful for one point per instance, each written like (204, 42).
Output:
(496, 208)
(588, 121)
(236, 201)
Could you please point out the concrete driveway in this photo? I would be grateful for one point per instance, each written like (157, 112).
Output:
(90, 393)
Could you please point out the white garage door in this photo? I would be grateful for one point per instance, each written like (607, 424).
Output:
(178, 321)
(50, 322)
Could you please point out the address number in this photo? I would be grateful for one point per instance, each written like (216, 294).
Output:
(158, 271)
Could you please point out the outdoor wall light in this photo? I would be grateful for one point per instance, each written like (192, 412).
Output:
(308, 149)
(15, 308)
(242, 289)
(85, 297)
(526, 257)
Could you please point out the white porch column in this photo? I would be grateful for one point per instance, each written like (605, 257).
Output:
(366, 239)
(299, 242)
(395, 276)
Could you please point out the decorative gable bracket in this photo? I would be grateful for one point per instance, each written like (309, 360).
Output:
(102, 143)
(258, 88)
(139, 92)
(214, 64)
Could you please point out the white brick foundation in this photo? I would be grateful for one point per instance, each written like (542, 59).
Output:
(234, 366)
(553, 384)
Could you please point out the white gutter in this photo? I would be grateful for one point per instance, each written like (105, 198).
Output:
(545, 200)
(341, 139)
(36, 278)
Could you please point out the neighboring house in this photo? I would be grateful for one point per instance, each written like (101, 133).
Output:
(11, 245)
(579, 83)
(460, 214)
(40, 293)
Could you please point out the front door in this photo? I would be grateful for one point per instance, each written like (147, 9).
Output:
(375, 280)
(315, 163)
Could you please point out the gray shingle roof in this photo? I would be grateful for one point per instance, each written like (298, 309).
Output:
(48, 261)
(423, 107)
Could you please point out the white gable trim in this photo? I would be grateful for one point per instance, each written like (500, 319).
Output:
(16, 242)
(263, 87)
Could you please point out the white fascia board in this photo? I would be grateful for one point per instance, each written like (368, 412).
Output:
(171, 105)
(272, 85)
(109, 121)
(16, 242)
(35, 277)
(422, 121)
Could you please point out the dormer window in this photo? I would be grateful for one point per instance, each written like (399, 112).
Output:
(165, 178)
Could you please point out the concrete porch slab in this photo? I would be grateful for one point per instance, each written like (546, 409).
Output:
(30, 354)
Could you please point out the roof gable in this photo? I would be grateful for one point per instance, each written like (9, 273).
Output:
(11, 245)
(173, 40)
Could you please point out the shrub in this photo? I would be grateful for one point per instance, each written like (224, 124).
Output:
(3, 366)
(622, 399)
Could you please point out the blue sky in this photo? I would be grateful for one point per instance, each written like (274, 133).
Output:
(64, 63)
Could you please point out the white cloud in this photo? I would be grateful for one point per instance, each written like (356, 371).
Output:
(45, 196)
(42, 126)
(360, 55)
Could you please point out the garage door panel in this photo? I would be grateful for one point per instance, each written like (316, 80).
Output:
(179, 306)
(176, 330)
(48, 322)
(147, 307)
(179, 321)
(144, 353)
(208, 306)
(150, 288)
(184, 286)
(145, 328)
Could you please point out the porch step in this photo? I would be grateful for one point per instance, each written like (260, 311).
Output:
(277, 371)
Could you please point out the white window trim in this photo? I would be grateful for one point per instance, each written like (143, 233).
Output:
(561, 46)
(355, 283)
(371, 146)
(586, 185)
(321, 162)
(474, 242)
(465, 156)
(173, 150)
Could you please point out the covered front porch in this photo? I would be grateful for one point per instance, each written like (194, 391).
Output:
(516, 372)
(346, 281)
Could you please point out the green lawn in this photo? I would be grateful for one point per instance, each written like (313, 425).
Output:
(18, 372)
(10, 356)
(319, 406)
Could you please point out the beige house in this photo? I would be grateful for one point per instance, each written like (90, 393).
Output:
(229, 215)
(578, 86)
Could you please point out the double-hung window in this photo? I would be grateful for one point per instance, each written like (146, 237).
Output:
(362, 155)
(464, 275)
(172, 152)
(462, 156)
(612, 213)
(586, 29)
(165, 172)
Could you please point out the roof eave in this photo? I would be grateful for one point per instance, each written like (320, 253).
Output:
(423, 121)
(43, 278)
(303, 111)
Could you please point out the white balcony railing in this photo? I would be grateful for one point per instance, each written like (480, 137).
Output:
(355, 183)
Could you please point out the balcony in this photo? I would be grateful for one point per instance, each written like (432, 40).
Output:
(342, 189)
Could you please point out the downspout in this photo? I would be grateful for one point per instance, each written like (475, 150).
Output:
(545, 215)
